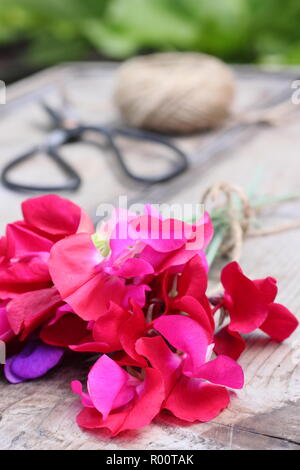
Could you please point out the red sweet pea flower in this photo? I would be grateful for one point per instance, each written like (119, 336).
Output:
(66, 329)
(24, 251)
(30, 310)
(191, 294)
(24, 269)
(26, 288)
(250, 305)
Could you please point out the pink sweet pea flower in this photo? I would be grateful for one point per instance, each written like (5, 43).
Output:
(194, 386)
(84, 280)
(117, 400)
(179, 380)
(89, 273)
(159, 236)
(250, 305)
(187, 336)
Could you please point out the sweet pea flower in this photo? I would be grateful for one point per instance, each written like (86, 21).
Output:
(117, 400)
(26, 284)
(195, 387)
(188, 384)
(35, 360)
(90, 272)
(118, 329)
(29, 298)
(26, 246)
(250, 305)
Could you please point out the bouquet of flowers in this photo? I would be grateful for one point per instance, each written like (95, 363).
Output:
(137, 301)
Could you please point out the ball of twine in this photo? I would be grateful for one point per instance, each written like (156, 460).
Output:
(174, 92)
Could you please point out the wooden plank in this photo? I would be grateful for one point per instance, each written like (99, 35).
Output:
(265, 415)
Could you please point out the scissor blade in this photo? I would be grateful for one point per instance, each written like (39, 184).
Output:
(55, 115)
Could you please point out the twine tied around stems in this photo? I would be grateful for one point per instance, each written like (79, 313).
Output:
(238, 212)
(232, 216)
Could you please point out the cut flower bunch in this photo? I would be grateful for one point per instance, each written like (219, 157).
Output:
(137, 301)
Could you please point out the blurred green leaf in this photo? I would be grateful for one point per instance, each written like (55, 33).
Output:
(235, 30)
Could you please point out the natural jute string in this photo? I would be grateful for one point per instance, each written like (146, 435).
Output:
(174, 92)
(239, 219)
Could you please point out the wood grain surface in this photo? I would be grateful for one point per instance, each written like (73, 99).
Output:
(265, 414)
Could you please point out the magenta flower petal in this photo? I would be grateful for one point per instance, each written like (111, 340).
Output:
(135, 293)
(161, 358)
(105, 381)
(133, 267)
(195, 310)
(138, 412)
(76, 387)
(162, 235)
(35, 360)
(188, 336)
(162, 261)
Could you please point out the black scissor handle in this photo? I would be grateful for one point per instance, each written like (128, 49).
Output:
(73, 179)
(136, 134)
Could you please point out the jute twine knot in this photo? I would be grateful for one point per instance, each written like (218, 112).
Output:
(239, 213)
(174, 92)
(238, 219)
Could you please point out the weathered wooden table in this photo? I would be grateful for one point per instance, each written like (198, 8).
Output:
(265, 415)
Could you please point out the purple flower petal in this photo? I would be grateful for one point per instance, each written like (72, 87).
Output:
(10, 376)
(35, 360)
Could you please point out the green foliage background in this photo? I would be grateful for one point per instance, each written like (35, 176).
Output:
(264, 31)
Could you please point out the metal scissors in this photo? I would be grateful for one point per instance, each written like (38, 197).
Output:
(67, 129)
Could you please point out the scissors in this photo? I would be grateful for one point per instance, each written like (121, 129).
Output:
(67, 129)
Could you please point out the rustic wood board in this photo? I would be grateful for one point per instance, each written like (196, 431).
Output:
(265, 415)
